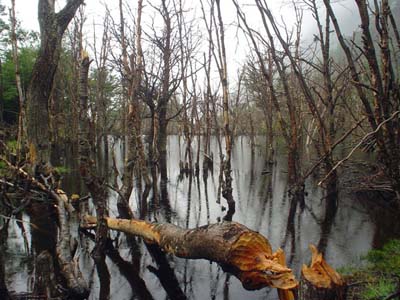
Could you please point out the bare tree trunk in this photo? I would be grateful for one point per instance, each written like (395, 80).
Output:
(1, 93)
(223, 71)
(289, 131)
(21, 96)
(3, 287)
(187, 129)
(94, 185)
(165, 94)
(142, 166)
(383, 84)
(52, 28)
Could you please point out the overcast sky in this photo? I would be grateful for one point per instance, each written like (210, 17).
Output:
(236, 49)
(345, 9)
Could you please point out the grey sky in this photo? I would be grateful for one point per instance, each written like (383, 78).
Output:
(237, 48)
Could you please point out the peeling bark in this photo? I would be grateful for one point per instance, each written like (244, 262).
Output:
(52, 28)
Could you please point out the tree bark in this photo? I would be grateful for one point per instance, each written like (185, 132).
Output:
(21, 97)
(165, 94)
(1, 93)
(52, 28)
(93, 183)
(3, 287)
(383, 84)
(223, 71)
(241, 251)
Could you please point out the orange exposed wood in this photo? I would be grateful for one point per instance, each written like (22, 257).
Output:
(319, 273)
(320, 281)
(252, 254)
(284, 294)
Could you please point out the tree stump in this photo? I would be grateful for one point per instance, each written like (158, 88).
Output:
(320, 281)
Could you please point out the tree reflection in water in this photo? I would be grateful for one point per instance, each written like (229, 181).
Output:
(342, 229)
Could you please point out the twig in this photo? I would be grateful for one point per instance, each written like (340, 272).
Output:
(19, 221)
(117, 191)
(358, 145)
(392, 296)
(339, 141)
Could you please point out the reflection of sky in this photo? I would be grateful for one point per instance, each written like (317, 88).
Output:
(261, 205)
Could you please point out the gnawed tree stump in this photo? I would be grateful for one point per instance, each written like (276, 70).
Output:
(320, 281)
(239, 250)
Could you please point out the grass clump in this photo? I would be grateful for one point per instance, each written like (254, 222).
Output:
(3, 168)
(62, 170)
(387, 259)
(12, 146)
(379, 289)
(379, 277)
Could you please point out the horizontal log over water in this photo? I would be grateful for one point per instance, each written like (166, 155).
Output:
(238, 249)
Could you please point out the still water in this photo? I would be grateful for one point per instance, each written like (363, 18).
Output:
(262, 204)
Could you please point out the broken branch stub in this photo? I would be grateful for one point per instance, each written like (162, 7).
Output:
(243, 252)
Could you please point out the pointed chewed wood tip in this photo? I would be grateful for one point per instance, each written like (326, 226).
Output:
(84, 54)
(320, 274)
(259, 267)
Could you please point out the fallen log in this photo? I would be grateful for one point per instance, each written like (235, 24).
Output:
(238, 249)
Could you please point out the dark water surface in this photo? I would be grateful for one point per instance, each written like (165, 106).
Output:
(262, 204)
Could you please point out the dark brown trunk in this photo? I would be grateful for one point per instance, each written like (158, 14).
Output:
(3, 287)
(162, 142)
(52, 27)
(1, 93)
(94, 184)
(21, 96)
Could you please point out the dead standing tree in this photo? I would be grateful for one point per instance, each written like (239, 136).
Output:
(327, 96)
(383, 86)
(165, 93)
(52, 28)
(223, 72)
(162, 78)
(132, 73)
(290, 131)
(100, 101)
(94, 184)
(217, 48)
(21, 95)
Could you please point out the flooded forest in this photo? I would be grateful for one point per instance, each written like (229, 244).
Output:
(172, 149)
